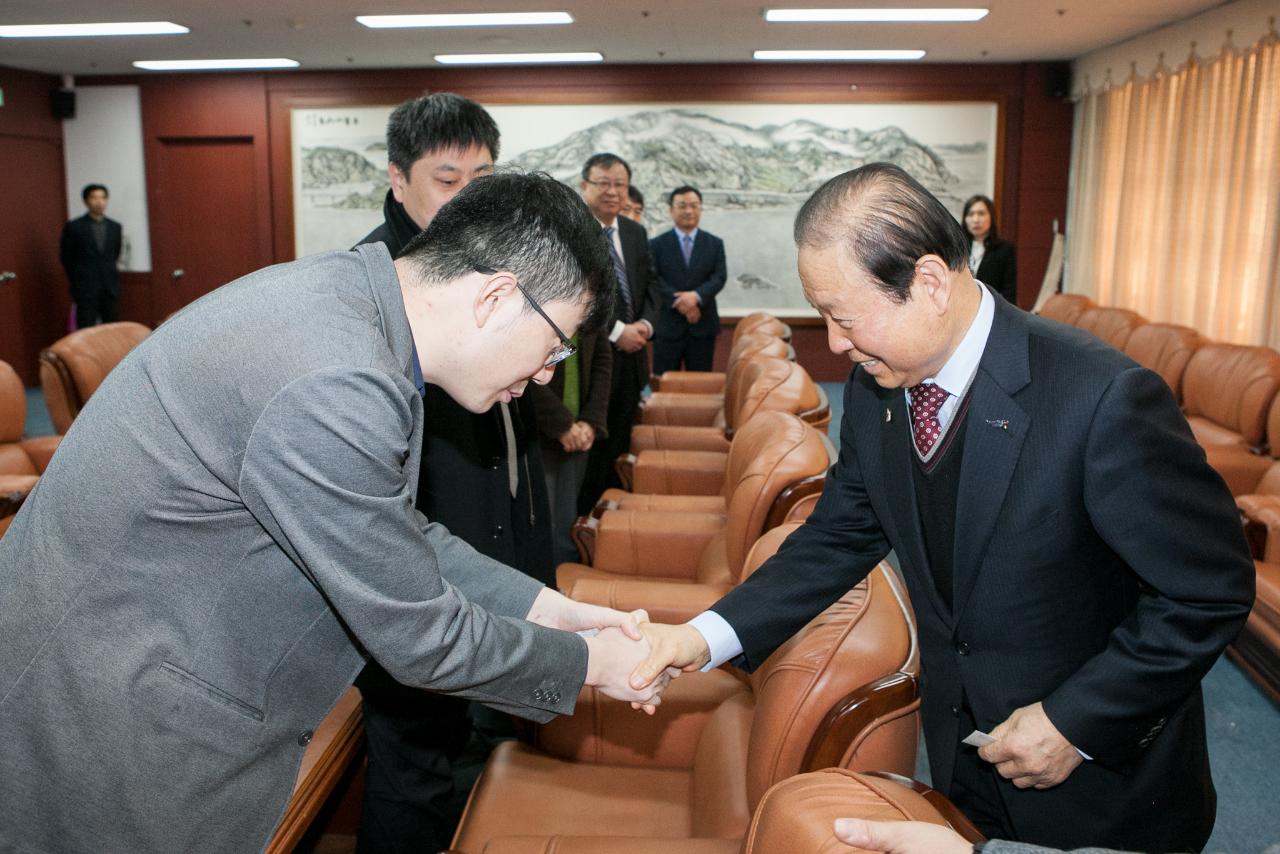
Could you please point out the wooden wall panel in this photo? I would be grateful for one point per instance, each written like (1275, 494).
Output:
(1033, 135)
(34, 306)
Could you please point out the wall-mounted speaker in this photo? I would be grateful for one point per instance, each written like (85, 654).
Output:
(63, 103)
(1057, 80)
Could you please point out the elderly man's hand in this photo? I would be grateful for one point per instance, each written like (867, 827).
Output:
(633, 338)
(900, 837)
(1029, 750)
(675, 648)
(611, 658)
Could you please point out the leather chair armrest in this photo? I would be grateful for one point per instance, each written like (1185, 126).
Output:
(680, 472)
(606, 845)
(41, 450)
(655, 544)
(666, 602)
(609, 732)
(1261, 516)
(691, 410)
(696, 382)
(650, 437)
(336, 743)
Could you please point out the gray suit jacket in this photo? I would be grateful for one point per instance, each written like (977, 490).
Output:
(226, 532)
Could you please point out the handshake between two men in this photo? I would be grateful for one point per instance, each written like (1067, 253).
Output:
(628, 658)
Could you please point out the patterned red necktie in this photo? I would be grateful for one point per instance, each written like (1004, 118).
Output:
(926, 400)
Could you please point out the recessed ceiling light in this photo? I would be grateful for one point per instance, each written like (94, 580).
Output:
(123, 28)
(478, 19)
(775, 16)
(835, 55)
(212, 64)
(515, 58)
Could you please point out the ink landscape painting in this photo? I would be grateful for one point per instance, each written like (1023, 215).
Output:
(754, 163)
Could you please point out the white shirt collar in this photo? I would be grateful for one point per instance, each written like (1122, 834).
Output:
(960, 369)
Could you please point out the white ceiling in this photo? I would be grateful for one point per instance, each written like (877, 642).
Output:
(323, 34)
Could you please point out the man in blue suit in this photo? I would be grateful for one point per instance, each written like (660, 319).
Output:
(691, 271)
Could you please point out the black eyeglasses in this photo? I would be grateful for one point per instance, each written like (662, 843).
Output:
(566, 349)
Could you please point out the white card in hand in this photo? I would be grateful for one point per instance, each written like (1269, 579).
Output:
(977, 738)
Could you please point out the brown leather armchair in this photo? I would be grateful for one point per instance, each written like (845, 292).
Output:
(760, 325)
(681, 409)
(22, 461)
(72, 368)
(1165, 348)
(1257, 648)
(704, 509)
(797, 814)
(758, 384)
(713, 382)
(841, 693)
(1112, 325)
(1066, 308)
(1228, 391)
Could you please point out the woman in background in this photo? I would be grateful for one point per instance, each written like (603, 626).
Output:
(991, 260)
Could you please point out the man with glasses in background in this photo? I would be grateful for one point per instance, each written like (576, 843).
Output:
(605, 180)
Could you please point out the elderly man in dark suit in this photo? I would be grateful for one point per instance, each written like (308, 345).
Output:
(228, 533)
(1075, 565)
(691, 271)
(605, 179)
(90, 250)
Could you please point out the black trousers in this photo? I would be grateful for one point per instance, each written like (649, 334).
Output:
(975, 787)
(92, 309)
(624, 401)
(695, 354)
(409, 798)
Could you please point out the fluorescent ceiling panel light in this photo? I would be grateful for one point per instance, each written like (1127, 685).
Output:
(477, 19)
(515, 58)
(841, 16)
(835, 55)
(212, 64)
(124, 28)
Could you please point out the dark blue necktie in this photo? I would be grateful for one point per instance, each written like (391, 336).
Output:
(620, 273)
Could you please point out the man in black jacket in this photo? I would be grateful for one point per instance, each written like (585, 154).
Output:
(481, 478)
(90, 249)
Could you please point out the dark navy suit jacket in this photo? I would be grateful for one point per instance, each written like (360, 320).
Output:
(705, 274)
(1100, 568)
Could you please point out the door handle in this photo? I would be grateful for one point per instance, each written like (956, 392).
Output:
(8, 276)
(178, 273)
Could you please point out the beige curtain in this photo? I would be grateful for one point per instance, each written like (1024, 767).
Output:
(1175, 196)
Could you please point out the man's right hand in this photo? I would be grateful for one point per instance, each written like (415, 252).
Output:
(633, 337)
(611, 658)
(679, 647)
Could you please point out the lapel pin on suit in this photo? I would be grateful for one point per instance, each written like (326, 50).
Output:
(1002, 423)
(888, 416)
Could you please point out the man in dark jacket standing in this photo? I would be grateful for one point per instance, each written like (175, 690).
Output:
(90, 249)
(481, 478)
(691, 271)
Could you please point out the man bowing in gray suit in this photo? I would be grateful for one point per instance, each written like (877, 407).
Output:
(228, 531)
